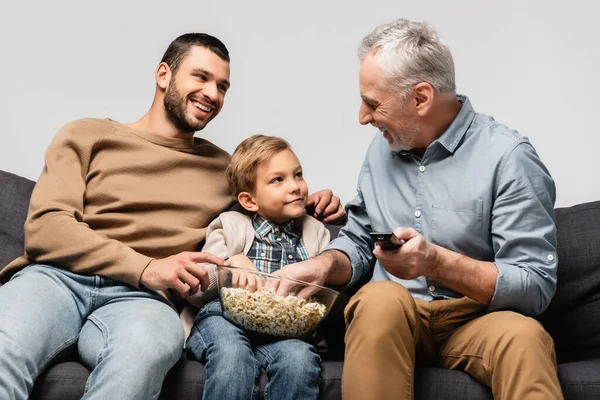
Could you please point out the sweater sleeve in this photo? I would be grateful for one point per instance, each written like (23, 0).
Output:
(217, 245)
(54, 231)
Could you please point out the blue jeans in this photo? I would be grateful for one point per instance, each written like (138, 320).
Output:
(129, 338)
(232, 362)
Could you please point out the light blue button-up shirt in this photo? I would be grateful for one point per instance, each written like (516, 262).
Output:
(479, 190)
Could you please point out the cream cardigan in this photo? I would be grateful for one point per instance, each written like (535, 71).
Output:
(231, 234)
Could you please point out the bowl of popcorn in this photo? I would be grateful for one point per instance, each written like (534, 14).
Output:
(270, 305)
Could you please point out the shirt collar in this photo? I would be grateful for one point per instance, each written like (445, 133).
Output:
(457, 129)
(264, 227)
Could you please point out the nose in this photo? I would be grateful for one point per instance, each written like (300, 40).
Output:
(364, 114)
(293, 186)
(211, 91)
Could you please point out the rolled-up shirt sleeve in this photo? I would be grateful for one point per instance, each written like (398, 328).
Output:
(354, 239)
(524, 233)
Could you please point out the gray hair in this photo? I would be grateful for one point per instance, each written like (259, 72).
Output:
(409, 53)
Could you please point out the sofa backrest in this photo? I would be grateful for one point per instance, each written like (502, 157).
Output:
(573, 317)
(15, 192)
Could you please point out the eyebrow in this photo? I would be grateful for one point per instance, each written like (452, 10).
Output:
(368, 100)
(209, 74)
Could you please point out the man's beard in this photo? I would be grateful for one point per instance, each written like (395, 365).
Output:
(406, 140)
(175, 106)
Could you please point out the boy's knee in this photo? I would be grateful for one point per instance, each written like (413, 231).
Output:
(301, 355)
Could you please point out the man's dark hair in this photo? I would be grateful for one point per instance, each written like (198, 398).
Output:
(180, 47)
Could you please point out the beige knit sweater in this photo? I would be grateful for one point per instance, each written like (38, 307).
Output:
(112, 198)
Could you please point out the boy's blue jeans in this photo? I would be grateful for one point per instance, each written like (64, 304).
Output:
(232, 363)
(128, 337)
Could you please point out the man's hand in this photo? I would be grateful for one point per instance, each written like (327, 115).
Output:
(416, 257)
(314, 270)
(328, 207)
(180, 272)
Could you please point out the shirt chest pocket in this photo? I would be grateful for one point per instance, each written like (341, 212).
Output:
(457, 224)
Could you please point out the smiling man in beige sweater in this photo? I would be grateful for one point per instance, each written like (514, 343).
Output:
(112, 234)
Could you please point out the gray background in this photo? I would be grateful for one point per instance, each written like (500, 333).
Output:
(294, 73)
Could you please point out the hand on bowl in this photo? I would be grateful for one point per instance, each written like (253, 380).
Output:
(268, 313)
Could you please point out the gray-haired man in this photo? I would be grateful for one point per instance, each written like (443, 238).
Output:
(474, 205)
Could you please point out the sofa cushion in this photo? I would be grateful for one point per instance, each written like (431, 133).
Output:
(579, 379)
(14, 202)
(573, 317)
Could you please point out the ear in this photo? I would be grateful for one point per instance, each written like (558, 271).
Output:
(424, 94)
(247, 201)
(163, 75)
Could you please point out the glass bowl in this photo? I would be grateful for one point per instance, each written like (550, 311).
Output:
(262, 311)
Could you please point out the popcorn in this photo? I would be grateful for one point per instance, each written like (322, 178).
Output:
(268, 313)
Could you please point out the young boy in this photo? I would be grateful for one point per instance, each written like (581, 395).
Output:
(266, 177)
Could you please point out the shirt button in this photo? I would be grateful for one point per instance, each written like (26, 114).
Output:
(422, 168)
(550, 257)
(262, 254)
(417, 213)
(279, 239)
(431, 288)
(290, 256)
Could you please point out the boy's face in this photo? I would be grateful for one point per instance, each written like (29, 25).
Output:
(280, 193)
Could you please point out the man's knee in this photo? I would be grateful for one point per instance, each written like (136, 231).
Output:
(521, 333)
(381, 300)
(154, 336)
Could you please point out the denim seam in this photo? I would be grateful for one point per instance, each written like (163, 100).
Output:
(104, 329)
(16, 347)
(58, 350)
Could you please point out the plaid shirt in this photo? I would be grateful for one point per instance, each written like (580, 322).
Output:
(275, 246)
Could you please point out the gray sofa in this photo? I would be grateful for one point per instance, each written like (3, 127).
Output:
(573, 318)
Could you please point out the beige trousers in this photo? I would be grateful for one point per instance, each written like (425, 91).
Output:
(388, 331)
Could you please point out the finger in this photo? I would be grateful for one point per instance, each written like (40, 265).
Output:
(377, 251)
(284, 288)
(306, 292)
(205, 257)
(182, 288)
(338, 216)
(243, 281)
(332, 207)
(312, 199)
(260, 283)
(199, 272)
(272, 283)
(324, 200)
(405, 233)
(190, 280)
(251, 282)
(235, 279)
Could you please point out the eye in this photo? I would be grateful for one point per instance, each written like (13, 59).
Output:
(201, 77)
(222, 88)
(299, 175)
(276, 180)
(370, 104)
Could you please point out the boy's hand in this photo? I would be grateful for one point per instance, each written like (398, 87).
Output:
(180, 272)
(245, 279)
(327, 207)
(242, 261)
(242, 279)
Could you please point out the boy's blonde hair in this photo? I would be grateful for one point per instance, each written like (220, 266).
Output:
(241, 172)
